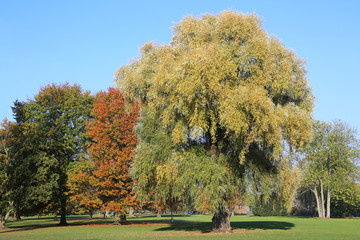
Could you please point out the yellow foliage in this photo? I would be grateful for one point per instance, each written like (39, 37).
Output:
(224, 72)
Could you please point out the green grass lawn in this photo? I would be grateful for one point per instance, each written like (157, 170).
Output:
(185, 227)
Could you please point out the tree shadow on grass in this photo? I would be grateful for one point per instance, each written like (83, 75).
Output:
(263, 225)
(47, 222)
(187, 227)
(25, 228)
(54, 224)
(179, 225)
(154, 216)
(243, 225)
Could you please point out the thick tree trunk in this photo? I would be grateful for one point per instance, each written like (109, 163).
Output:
(131, 212)
(221, 220)
(328, 203)
(121, 220)
(63, 212)
(317, 201)
(90, 215)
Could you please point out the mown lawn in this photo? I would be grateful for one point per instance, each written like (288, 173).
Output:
(185, 227)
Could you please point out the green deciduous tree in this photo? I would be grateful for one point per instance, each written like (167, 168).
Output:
(222, 92)
(57, 117)
(16, 169)
(347, 202)
(32, 172)
(6, 202)
(330, 165)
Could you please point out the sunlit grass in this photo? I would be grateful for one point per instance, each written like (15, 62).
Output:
(184, 227)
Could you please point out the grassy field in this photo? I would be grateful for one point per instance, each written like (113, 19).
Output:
(185, 227)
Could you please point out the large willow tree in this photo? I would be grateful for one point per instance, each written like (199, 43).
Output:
(221, 99)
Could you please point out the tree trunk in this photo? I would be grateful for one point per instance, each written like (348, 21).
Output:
(131, 212)
(4, 219)
(63, 211)
(322, 198)
(90, 215)
(317, 201)
(172, 216)
(221, 220)
(121, 220)
(213, 151)
(158, 213)
(62, 185)
(16, 216)
(328, 203)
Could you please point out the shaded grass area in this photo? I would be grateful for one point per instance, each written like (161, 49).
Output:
(184, 227)
(236, 225)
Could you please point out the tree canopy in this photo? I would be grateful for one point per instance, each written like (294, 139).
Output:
(226, 95)
(330, 165)
(56, 119)
(6, 198)
(24, 179)
(113, 141)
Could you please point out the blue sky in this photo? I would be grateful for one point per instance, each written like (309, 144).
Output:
(85, 42)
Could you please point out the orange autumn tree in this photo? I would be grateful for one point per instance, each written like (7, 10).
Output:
(83, 188)
(111, 151)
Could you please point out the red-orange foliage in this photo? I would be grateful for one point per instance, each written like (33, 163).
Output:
(111, 152)
(83, 189)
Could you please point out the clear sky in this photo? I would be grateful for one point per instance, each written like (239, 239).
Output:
(85, 42)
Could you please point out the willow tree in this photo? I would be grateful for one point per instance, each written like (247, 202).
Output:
(227, 95)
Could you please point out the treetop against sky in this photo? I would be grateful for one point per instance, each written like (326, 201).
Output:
(85, 42)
